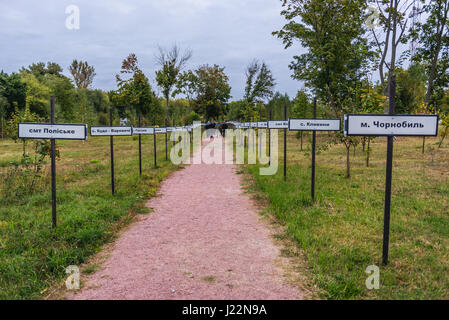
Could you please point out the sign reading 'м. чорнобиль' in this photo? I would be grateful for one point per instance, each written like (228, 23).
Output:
(391, 125)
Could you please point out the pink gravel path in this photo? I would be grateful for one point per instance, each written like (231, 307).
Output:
(204, 240)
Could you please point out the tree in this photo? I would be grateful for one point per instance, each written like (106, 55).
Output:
(13, 124)
(135, 92)
(276, 106)
(337, 53)
(302, 108)
(64, 92)
(172, 63)
(372, 101)
(14, 90)
(84, 111)
(39, 70)
(213, 91)
(37, 95)
(83, 74)
(4, 104)
(393, 19)
(337, 56)
(259, 82)
(410, 88)
(187, 84)
(434, 44)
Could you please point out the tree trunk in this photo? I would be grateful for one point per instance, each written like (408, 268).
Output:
(368, 151)
(167, 119)
(300, 134)
(363, 143)
(423, 144)
(348, 165)
(442, 137)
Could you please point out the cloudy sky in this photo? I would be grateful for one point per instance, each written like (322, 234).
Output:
(230, 33)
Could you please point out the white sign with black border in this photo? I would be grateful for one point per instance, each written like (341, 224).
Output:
(143, 130)
(262, 124)
(314, 124)
(160, 130)
(391, 125)
(52, 131)
(278, 124)
(111, 131)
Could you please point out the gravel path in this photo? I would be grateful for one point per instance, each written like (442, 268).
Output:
(204, 240)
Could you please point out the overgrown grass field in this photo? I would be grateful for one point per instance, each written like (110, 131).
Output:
(33, 255)
(341, 233)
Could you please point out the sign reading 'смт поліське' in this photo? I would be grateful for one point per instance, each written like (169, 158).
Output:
(388, 125)
(52, 131)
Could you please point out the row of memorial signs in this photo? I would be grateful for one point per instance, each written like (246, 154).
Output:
(358, 125)
(79, 131)
(354, 125)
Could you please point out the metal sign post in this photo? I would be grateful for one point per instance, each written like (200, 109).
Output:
(111, 132)
(390, 125)
(314, 125)
(52, 131)
(285, 144)
(140, 151)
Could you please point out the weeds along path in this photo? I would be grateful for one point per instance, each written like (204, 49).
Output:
(203, 240)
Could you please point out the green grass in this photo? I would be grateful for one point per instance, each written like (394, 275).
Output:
(341, 233)
(33, 255)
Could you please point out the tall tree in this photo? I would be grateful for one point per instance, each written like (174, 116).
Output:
(394, 17)
(259, 82)
(332, 32)
(213, 91)
(135, 91)
(172, 62)
(434, 45)
(14, 90)
(302, 108)
(83, 74)
(40, 70)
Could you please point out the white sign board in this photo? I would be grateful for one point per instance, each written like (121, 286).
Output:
(386, 125)
(262, 124)
(111, 131)
(170, 129)
(143, 130)
(253, 124)
(314, 125)
(52, 131)
(160, 130)
(277, 124)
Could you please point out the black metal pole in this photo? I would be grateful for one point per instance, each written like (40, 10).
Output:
(285, 144)
(155, 147)
(166, 141)
(111, 138)
(386, 237)
(140, 150)
(53, 165)
(172, 132)
(269, 142)
(313, 152)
